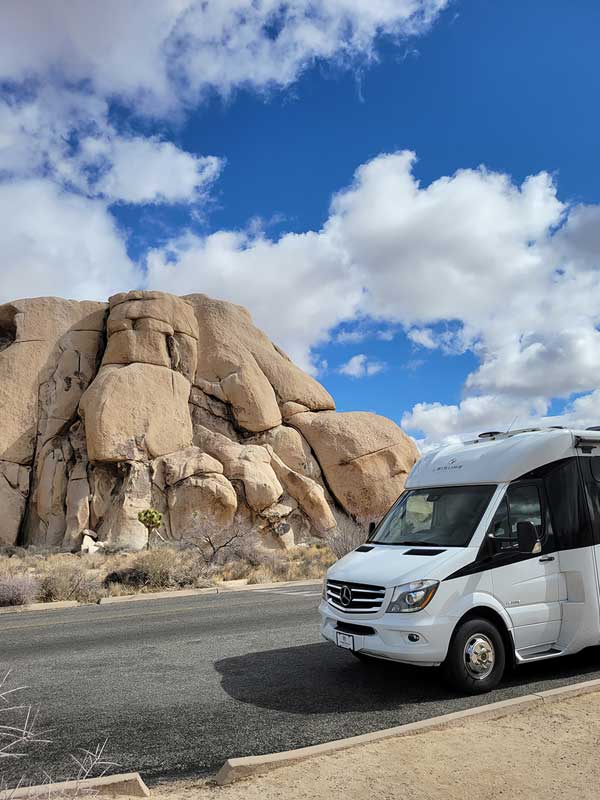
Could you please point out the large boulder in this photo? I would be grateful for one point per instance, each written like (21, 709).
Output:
(178, 404)
(14, 488)
(137, 411)
(365, 458)
(241, 366)
(137, 407)
(31, 344)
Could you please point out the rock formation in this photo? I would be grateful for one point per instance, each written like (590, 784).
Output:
(178, 404)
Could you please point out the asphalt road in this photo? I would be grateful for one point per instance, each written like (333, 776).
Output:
(179, 685)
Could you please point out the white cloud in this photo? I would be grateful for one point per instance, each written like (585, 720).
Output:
(67, 136)
(472, 262)
(139, 170)
(57, 243)
(297, 288)
(424, 337)
(361, 330)
(359, 366)
(64, 65)
(158, 53)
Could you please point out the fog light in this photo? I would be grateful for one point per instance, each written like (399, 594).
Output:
(413, 637)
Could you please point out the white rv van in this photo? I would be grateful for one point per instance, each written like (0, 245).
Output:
(489, 558)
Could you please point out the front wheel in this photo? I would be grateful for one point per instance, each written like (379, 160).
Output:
(476, 657)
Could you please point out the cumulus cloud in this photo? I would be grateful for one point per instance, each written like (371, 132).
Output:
(160, 54)
(298, 287)
(58, 243)
(67, 137)
(359, 366)
(471, 262)
(144, 170)
(65, 66)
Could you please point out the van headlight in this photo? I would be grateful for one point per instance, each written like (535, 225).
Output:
(412, 596)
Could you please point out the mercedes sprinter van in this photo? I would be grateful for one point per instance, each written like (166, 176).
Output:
(489, 558)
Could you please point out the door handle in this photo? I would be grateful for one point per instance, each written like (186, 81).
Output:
(547, 558)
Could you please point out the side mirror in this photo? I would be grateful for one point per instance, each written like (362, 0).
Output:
(372, 526)
(527, 538)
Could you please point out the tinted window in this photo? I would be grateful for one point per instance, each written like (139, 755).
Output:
(567, 503)
(590, 468)
(500, 528)
(524, 506)
(520, 504)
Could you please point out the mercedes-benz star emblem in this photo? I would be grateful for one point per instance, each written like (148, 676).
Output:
(345, 596)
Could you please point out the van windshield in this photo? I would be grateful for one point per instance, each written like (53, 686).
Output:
(443, 517)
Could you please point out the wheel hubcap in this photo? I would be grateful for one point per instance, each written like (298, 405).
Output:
(479, 656)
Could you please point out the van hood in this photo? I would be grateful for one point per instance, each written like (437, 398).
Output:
(389, 565)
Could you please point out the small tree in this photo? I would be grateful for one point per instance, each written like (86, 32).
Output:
(151, 519)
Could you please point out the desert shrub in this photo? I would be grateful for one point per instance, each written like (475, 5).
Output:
(162, 568)
(346, 536)
(300, 563)
(67, 580)
(17, 590)
(129, 576)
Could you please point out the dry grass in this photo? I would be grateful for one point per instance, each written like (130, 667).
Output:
(18, 590)
(19, 732)
(29, 575)
(347, 536)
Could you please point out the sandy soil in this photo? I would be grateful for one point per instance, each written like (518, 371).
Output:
(553, 751)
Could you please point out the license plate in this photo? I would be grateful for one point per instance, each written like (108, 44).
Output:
(345, 640)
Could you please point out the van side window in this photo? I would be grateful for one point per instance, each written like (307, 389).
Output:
(500, 528)
(524, 506)
(595, 466)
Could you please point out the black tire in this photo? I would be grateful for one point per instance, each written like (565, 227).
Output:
(476, 657)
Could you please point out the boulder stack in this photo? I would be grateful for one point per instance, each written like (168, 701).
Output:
(179, 404)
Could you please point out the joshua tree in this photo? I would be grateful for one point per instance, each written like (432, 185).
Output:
(151, 519)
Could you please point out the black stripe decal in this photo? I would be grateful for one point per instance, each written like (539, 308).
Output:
(485, 562)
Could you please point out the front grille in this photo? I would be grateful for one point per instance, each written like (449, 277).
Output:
(362, 598)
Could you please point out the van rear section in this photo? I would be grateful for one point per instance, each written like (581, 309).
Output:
(488, 558)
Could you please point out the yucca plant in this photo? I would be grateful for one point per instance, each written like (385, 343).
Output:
(151, 519)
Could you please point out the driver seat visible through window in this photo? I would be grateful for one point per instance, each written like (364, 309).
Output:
(521, 503)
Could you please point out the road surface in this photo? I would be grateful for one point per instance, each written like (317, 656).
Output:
(179, 685)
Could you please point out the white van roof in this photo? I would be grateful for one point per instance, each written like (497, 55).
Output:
(499, 457)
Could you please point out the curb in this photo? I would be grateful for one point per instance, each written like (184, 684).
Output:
(234, 769)
(128, 784)
(225, 587)
(131, 598)
(57, 605)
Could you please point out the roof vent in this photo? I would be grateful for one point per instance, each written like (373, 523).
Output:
(489, 434)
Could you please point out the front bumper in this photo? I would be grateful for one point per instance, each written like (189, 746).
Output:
(390, 639)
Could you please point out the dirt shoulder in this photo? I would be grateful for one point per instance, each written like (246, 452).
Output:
(550, 750)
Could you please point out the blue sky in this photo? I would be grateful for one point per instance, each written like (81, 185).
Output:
(432, 290)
